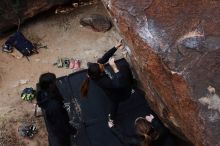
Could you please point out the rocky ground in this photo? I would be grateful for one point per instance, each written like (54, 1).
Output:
(64, 37)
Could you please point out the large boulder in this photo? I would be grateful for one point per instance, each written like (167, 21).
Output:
(96, 22)
(175, 50)
(13, 11)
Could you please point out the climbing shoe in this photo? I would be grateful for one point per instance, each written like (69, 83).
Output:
(66, 62)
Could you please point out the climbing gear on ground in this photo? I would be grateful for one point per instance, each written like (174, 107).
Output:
(28, 94)
(72, 63)
(66, 62)
(22, 44)
(76, 65)
(59, 63)
(27, 130)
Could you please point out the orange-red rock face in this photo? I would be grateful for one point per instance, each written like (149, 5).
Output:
(175, 47)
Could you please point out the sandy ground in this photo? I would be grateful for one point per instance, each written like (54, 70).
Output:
(65, 38)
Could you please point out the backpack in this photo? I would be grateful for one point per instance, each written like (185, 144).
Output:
(23, 45)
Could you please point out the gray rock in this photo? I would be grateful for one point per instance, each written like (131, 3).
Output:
(96, 22)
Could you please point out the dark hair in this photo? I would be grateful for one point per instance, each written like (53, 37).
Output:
(46, 80)
(145, 129)
(93, 72)
(47, 83)
(84, 87)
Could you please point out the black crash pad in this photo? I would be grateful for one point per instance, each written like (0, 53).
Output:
(91, 118)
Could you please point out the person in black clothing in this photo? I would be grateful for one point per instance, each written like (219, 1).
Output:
(153, 133)
(126, 140)
(55, 116)
(117, 86)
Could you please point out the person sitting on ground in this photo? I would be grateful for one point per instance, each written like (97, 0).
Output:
(153, 132)
(117, 87)
(55, 116)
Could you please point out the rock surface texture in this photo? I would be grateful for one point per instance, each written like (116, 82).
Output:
(13, 10)
(96, 22)
(175, 50)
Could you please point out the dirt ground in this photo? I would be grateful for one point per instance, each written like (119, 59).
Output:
(64, 37)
